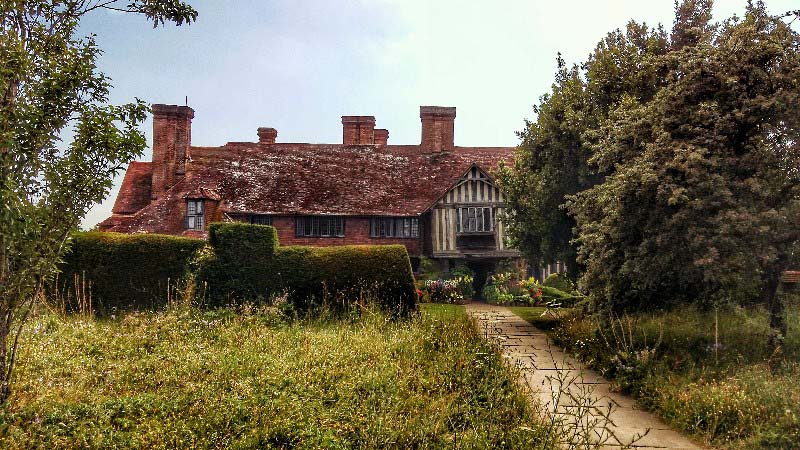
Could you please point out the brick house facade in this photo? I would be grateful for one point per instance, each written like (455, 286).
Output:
(436, 198)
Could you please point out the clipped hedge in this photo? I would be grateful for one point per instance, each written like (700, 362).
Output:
(551, 293)
(559, 281)
(123, 271)
(246, 264)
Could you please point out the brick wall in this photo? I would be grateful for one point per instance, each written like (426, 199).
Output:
(356, 232)
(358, 130)
(438, 124)
(172, 136)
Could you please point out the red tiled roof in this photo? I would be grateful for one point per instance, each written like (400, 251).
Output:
(285, 179)
(134, 194)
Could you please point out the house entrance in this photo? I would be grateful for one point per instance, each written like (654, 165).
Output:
(482, 269)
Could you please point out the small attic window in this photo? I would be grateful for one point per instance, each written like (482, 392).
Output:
(194, 215)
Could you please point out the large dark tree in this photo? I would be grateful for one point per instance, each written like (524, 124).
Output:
(553, 158)
(49, 84)
(679, 168)
(702, 204)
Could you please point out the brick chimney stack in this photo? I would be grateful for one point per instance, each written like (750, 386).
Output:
(172, 136)
(381, 136)
(358, 130)
(267, 135)
(437, 127)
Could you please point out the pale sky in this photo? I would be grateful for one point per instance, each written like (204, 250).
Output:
(298, 66)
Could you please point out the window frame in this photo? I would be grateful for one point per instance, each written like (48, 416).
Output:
(260, 219)
(195, 214)
(387, 227)
(475, 220)
(333, 226)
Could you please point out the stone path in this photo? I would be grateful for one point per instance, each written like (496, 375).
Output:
(569, 394)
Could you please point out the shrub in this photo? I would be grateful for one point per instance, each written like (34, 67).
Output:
(232, 240)
(454, 290)
(506, 288)
(551, 294)
(246, 264)
(560, 281)
(428, 269)
(464, 276)
(123, 271)
(339, 276)
(240, 264)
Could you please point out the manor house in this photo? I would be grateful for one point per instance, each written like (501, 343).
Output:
(436, 198)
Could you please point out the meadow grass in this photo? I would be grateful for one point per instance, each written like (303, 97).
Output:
(709, 373)
(189, 378)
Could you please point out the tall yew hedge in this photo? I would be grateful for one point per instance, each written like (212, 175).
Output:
(239, 263)
(246, 263)
(123, 271)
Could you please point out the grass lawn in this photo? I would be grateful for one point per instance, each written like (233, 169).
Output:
(706, 373)
(188, 378)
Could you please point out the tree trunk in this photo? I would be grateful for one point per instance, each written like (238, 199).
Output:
(777, 316)
(5, 374)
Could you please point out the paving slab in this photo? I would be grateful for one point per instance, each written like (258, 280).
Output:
(565, 390)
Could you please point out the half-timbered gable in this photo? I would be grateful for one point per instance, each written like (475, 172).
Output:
(464, 221)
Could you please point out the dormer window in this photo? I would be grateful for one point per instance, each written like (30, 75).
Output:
(194, 215)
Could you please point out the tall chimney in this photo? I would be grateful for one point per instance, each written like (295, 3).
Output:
(437, 127)
(381, 136)
(267, 135)
(358, 130)
(172, 136)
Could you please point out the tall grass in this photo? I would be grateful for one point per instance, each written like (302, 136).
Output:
(709, 373)
(248, 378)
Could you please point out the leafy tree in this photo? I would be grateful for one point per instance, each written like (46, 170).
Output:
(668, 165)
(702, 199)
(50, 86)
(553, 158)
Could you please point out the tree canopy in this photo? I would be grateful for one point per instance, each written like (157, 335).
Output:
(553, 157)
(671, 173)
(51, 87)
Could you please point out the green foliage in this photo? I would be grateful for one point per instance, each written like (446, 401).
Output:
(465, 277)
(551, 294)
(666, 166)
(246, 264)
(702, 201)
(506, 288)
(50, 87)
(560, 281)
(123, 271)
(451, 290)
(553, 158)
(429, 269)
(232, 240)
(705, 372)
(189, 378)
